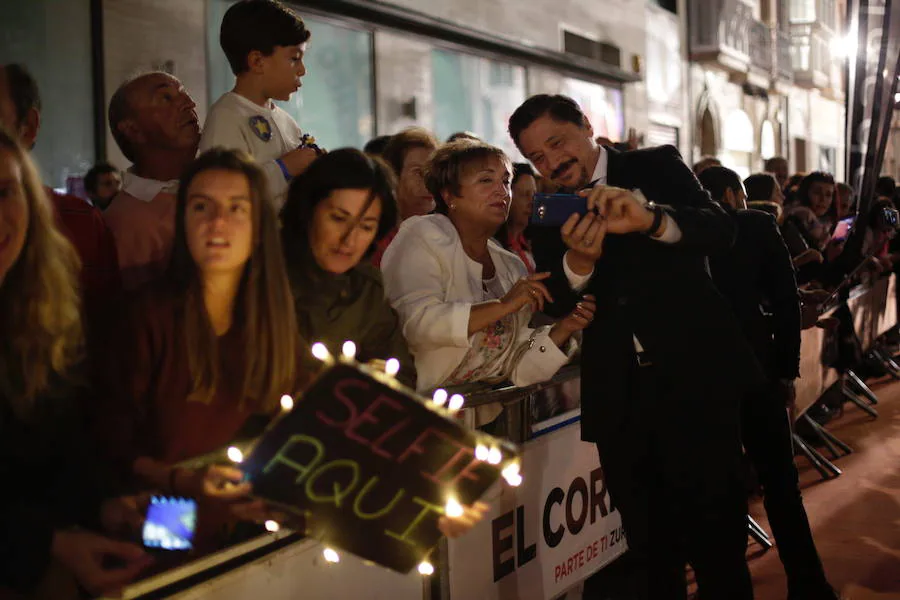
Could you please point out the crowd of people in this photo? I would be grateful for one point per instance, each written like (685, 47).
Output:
(155, 321)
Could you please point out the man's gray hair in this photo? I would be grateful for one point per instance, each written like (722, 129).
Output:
(120, 109)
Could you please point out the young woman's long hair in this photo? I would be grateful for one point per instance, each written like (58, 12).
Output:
(40, 309)
(263, 308)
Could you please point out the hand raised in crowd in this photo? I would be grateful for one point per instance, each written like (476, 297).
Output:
(584, 236)
(221, 483)
(528, 291)
(625, 211)
(124, 516)
(454, 527)
(298, 160)
(576, 320)
(810, 255)
(633, 140)
(86, 555)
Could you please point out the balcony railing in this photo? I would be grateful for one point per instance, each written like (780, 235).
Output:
(720, 26)
(817, 12)
(761, 46)
(784, 67)
(810, 56)
(726, 32)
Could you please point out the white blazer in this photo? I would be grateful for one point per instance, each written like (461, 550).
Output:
(432, 286)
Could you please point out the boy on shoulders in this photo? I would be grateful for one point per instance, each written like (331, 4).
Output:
(264, 43)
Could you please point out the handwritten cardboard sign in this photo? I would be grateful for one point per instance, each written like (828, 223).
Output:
(371, 466)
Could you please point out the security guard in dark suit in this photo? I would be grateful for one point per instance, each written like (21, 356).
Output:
(757, 277)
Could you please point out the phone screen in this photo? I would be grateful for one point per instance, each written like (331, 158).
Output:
(170, 523)
(842, 229)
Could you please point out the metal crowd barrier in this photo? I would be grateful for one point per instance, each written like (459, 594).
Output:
(540, 540)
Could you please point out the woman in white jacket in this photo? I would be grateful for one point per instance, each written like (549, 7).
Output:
(464, 302)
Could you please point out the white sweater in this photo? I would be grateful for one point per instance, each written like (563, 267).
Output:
(432, 286)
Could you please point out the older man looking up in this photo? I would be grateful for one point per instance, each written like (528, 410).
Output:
(154, 122)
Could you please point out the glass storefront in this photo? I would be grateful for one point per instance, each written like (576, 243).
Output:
(601, 104)
(477, 95)
(418, 83)
(65, 146)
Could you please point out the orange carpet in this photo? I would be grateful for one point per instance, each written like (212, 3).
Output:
(856, 517)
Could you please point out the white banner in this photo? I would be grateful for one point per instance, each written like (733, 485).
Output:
(548, 534)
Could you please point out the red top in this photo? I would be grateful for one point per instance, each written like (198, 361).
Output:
(383, 246)
(522, 249)
(144, 385)
(84, 226)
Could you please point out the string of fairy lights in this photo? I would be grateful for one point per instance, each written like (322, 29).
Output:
(441, 402)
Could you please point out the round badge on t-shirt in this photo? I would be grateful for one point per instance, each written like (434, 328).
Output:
(260, 126)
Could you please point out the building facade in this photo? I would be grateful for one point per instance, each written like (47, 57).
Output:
(767, 79)
(373, 67)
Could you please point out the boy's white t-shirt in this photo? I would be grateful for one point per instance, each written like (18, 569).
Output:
(266, 133)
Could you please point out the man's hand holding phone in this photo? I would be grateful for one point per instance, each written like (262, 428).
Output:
(584, 236)
(624, 211)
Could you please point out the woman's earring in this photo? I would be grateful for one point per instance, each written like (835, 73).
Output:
(452, 207)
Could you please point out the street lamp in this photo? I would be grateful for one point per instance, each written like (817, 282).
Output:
(844, 46)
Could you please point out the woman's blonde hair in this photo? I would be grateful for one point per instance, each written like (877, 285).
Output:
(40, 310)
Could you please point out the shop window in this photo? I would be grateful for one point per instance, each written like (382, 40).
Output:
(62, 69)
(662, 135)
(475, 94)
(601, 104)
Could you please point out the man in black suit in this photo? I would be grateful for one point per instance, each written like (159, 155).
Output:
(757, 277)
(664, 362)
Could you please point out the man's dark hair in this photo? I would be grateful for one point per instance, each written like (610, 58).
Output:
(760, 186)
(705, 162)
(770, 163)
(885, 186)
(520, 169)
(23, 90)
(259, 25)
(558, 107)
(402, 142)
(718, 179)
(807, 183)
(377, 145)
(90, 179)
(342, 169)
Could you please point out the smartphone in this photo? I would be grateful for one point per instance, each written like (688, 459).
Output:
(170, 523)
(842, 229)
(552, 210)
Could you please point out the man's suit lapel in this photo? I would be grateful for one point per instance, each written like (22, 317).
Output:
(615, 175)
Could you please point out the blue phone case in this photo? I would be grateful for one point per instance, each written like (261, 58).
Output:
(552, 210)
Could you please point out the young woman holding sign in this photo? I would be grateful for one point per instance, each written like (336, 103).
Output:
(211, 344)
